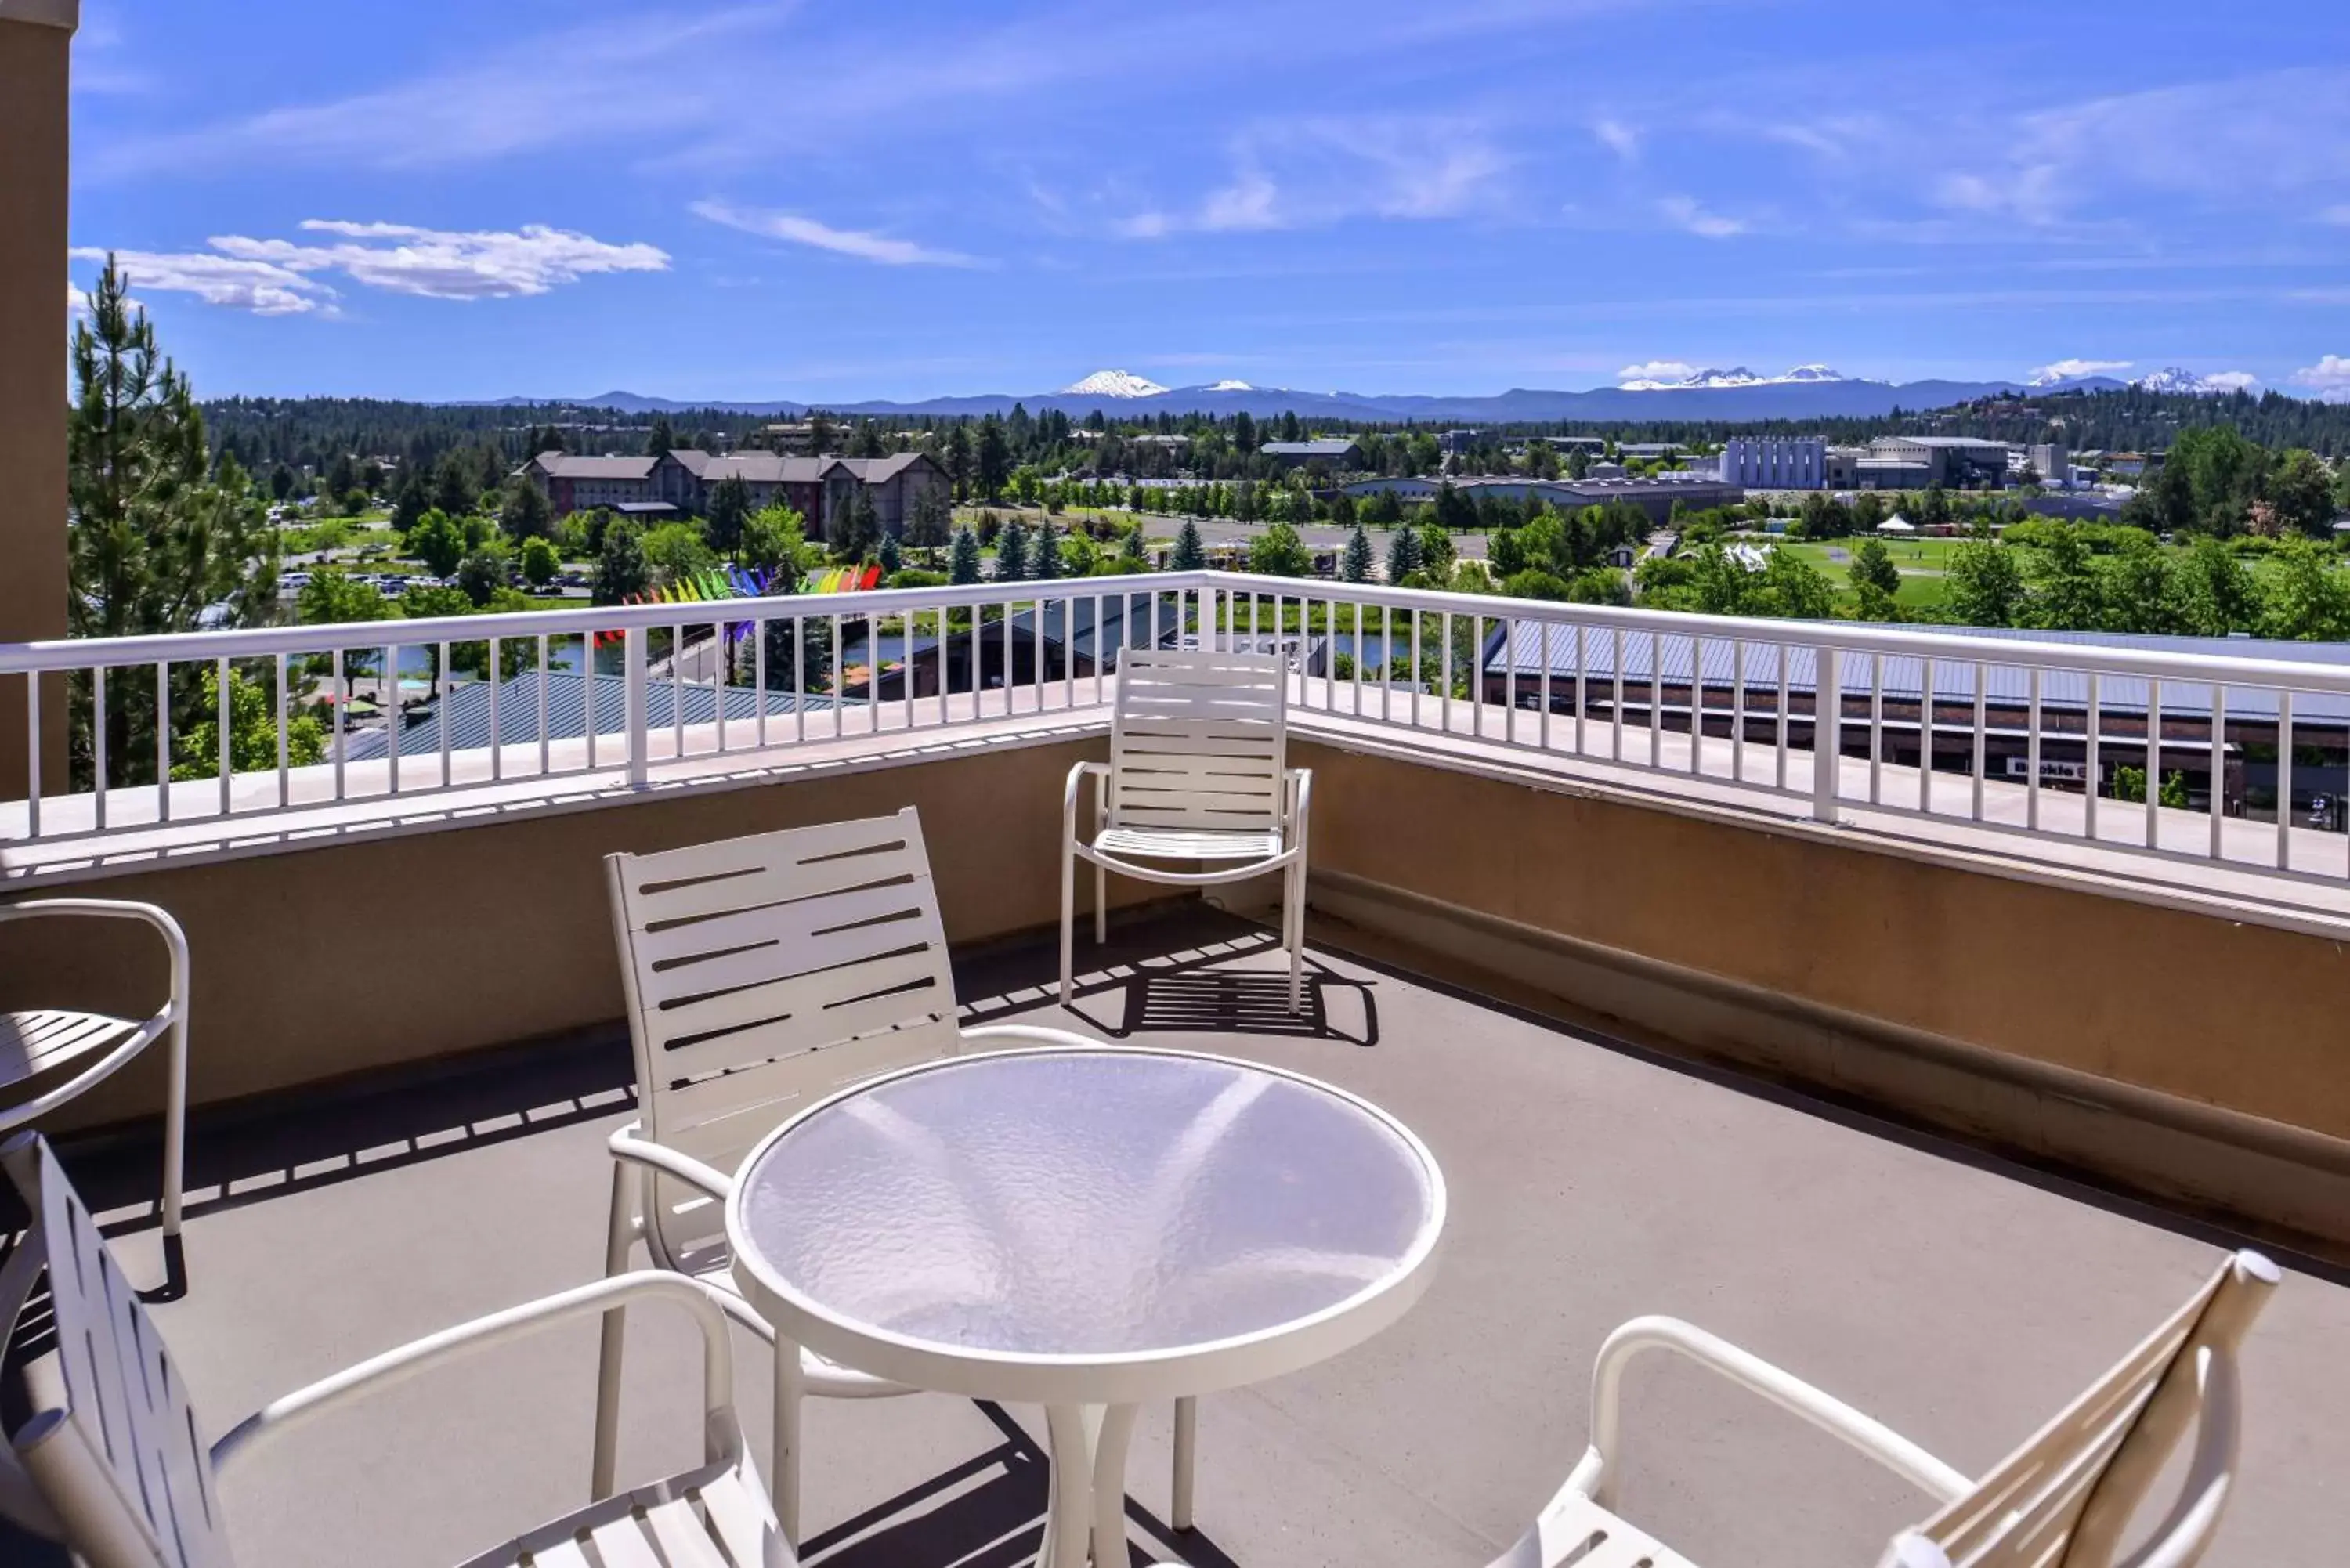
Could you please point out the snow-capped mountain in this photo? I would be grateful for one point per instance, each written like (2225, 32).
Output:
(2171, 379)
(1113, 384)
(1230, 386)
(1736, 376)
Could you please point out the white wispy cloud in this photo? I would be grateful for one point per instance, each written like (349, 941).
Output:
(1618, 138)
(1657, 370)
(1685, 212)
(2072, 370)
(801, 230)
(1316, 170)
(2329, 378)
(286, 278)
(2232, 380)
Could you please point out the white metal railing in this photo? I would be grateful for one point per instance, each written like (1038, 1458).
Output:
(2017, 735)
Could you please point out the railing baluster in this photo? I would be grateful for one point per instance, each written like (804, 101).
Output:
(1926, 739)
(2285, 781)
(1616, 711)
(2090, 768)
(497, 736)
(588, 692)
(1827, 733)
(1359, 659)
(1656, 700)
(1037, 652)
(840, 672)
(284, 792)
(1416, 683)
(227, 735)
(335, 674)
(98, 742)
(33, 752)
(1697, 706)
(2032, 752)
(635, 720)
(1875, 729)
(677, 687)
(2219, 774)
(1582, 688)
(2153, 764)
(1981, 759)
(1386, 662)
(163, 739)
(721, 653)
(391, 717)
(1738, 711)
(1542, 634)
(545, 748)
(799, 679)
(1445, 716)
(1779, 653)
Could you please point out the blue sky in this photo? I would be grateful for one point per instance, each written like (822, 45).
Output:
(833, 200)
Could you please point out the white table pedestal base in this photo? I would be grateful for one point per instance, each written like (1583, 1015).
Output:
(1085, 1509)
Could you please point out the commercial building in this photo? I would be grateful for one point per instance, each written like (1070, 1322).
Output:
(1916, 462)
(1337, 451)
(2052, 462)
(1775, 462)
(680, 481)
(1657, 496)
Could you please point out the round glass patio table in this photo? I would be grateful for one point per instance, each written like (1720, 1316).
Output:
(1087, 1230)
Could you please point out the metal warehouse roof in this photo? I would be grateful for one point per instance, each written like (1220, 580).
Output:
(1953, 679)
(568, 696)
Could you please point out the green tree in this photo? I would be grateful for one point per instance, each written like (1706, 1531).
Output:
(1191, 552)
(1403, 553)
(2141, 587)
(332, 599)
(799, 649)
(995, 457)
(660, 439)
(1355, 565)
(930, 520)
(281, 482)
(1875, 580)
(2306, 601)
(962, 561)
(2300, 493)
(622, 572)
(155, 538)
(438, 542)
(523, 512)
(775, 539)
(2068, 591)
(481, 573)
(2214, 591)
(1011, 553)
(1131, 555)
(855, 532)
(1985, 584)
(1278, 552)
(410, 503)
(1045, 555)
(253, 731)
(729, 510)
(453, 486)
(540, 561)
(678, 552)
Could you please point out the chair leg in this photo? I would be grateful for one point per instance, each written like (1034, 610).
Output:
(1187, 1441)
(1068, 924)
(1101, 906)
(175, 1157)
(619, 1233)
(786, 1466)
(1292, 915)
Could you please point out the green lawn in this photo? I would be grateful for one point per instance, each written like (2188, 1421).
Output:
(1921, 562)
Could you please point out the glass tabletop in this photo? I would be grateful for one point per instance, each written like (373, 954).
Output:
(1089, 1203)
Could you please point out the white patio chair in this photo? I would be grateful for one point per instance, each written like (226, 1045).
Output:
(113, 1461)
(2061, 1501)
(1196, 774)
(37, 1045)
(763, 974)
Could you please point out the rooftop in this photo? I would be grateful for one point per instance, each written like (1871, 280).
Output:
(1959, 1299)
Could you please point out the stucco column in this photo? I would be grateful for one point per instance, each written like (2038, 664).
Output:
(36, 38)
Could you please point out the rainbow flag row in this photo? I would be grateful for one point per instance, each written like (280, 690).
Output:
(718, 584)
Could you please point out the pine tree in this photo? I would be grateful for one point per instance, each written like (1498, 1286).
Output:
(962, 564)
(660, 438)
(1355, 565)
(1403, 553)
(892, 562)
(1044, 558)
(1191, 551)
(1011, 553)
(621, 569)
(154, 539)
(858, 530)
(730, 509)
(1131, 555)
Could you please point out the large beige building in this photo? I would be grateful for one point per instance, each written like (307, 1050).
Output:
(678, 482)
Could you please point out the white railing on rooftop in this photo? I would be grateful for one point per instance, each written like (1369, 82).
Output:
(1832, 718)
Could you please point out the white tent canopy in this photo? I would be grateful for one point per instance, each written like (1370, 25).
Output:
(1897, 523)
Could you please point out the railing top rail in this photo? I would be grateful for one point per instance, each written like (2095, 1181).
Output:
(2145, 663)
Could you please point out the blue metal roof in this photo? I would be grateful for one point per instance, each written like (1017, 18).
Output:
(1670, 655)
(569, 697)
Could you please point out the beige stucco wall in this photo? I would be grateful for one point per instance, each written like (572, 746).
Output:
(32, 151)
(317, 962)
(2228, 1013)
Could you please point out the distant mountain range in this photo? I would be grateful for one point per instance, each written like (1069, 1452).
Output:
(1805, 392)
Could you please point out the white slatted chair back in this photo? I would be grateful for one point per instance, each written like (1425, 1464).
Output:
(2063, 1498)
(764, 972)
(1198, 742)
(119, 1456)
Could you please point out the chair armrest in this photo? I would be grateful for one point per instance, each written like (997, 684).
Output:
(394, 1366)
(1034, 1033)
(1784, 1389)
(1069, 790)
(626, 1145)
(175, 941)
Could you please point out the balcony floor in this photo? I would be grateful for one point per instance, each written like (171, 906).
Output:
(1958, 1302)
